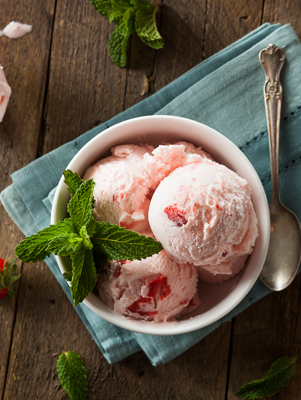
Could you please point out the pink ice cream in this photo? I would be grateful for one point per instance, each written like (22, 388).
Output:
(15, 30)
(199, 210)
(126, 181)
(154, 289)
(203, 214)
(5, 92)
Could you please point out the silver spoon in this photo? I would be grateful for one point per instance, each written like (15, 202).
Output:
(284, 252)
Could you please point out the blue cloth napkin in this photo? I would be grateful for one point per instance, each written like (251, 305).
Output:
(224, 92)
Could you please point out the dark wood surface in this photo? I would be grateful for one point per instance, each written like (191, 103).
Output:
(63, 84)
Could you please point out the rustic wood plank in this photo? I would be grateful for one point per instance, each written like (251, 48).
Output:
(264, 332)
(26, 62)
(228, 21)
(85, 87)
(283, 11)
(182, 28)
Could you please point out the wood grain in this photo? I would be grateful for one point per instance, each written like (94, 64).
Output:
(85, 87)
(283, 11)
(264, 332)
(182, 27)
(227, 21)
(25, 62)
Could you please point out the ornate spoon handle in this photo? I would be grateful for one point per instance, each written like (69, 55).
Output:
(272, 59)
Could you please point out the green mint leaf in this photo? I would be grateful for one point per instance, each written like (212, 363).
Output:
(145, 24)
(14, 278)
(104, 7)
(68, 276)
(72, 180)
(34, 248)
(80, 207)
(118, 42)
(64, 245)
(119, 9)
(101, 260)
(275, 380)
(72, 375)
(155, 44)
(121, 244)
(111, 9)
(129, 15)
(84, 275)
(86, 239)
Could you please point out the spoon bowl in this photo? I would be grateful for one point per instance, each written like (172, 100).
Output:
(284, 248)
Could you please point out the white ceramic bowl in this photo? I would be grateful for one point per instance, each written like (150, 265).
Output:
(217, 300)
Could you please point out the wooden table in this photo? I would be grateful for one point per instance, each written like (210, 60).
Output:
(63, 84)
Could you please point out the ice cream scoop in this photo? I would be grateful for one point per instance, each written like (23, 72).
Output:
(5, 92)
(126, 181)
(154, 289)
(203, 214)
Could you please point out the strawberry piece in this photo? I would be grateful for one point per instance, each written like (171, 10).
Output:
(154, 287)
(191, 303)
(135, 307)
(159, 285)
(7, 269)
(117, 270)
(165, 290)
(224, 254)
(3, 293)
(176, 215)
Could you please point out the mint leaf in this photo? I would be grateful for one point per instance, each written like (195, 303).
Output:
(101, 260)
(118, 42)
(130, 15)
(118, 9)
(104, 7)
(112, 9)
(86, 239)
(72, 180)
(34, 248)
(80, 207)
(72, 375)
(84, 275)
(145, 24)
(121, 244)
(155, 44)
(68, 276)
(64, 245)
(275, 380)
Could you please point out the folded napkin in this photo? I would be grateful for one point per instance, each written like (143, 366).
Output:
(224, 92)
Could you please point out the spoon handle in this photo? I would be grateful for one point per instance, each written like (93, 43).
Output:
(272, 59)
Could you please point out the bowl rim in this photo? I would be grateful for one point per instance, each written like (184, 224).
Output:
(234, 297)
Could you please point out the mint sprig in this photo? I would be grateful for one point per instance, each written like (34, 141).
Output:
(88, 243)
(72, 375)
(275, 380)
(130, 16)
